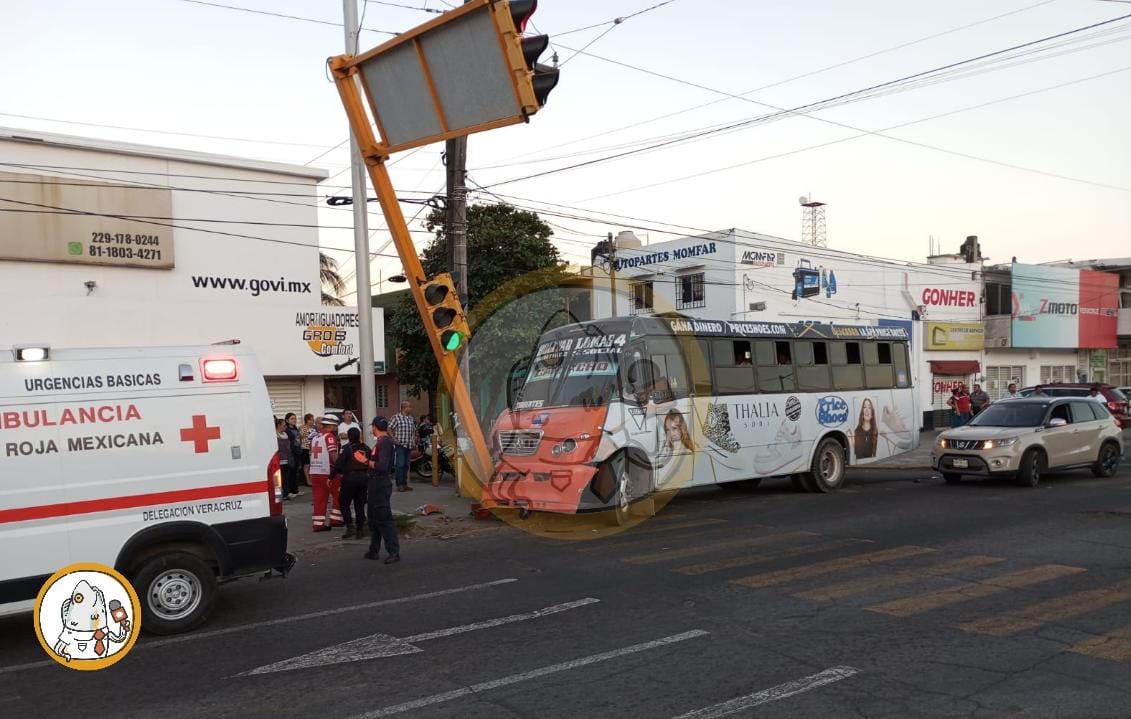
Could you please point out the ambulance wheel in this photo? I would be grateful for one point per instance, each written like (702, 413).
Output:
(177, 592)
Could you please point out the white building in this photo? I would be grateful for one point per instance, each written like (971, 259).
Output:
(113, 244)
(740, 275)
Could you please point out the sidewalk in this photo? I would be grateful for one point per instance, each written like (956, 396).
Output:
(451, 521)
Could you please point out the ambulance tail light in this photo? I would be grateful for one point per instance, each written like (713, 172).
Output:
(219, 370)
(275, 485)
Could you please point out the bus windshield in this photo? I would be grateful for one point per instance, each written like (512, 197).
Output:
(580, 379)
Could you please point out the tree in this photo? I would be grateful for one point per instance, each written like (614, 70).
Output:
(331, 280)
(503, 243)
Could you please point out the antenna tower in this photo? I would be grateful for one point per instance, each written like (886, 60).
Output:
(813, 222)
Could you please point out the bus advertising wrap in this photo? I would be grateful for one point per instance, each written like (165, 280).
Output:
(1064, 307)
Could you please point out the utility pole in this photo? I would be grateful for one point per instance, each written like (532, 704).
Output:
(358, 176)
(613, 271)
(456, 151)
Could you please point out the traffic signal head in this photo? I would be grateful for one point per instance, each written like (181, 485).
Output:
(444, 317)
(535, 80)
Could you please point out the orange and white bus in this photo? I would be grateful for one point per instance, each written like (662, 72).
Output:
(613, 410)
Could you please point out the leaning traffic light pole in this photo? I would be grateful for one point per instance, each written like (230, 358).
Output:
(469, 70)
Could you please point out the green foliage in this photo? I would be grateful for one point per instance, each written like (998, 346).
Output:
(503, 243)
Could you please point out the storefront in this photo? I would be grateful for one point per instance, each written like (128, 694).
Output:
(151, 246)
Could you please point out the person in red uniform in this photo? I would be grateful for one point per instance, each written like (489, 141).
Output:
(324, 482)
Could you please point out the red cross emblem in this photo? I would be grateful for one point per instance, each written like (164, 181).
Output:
(200, 434)
(317, 452)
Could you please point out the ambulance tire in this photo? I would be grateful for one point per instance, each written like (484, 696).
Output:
(177, 592)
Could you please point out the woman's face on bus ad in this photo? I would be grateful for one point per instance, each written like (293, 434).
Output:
(674, 428)
(866, 411)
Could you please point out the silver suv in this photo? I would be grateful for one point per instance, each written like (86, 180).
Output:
(1024, 438)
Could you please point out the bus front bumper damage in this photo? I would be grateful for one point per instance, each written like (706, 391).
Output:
(543, 489)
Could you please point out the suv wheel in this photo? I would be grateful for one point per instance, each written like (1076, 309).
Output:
(1033, 465)
(1108, 461)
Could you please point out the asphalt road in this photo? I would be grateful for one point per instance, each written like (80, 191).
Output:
(900, 596)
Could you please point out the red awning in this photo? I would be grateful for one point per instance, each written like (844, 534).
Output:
(955, 368)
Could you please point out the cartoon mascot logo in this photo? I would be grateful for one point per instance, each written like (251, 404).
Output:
(87, 616)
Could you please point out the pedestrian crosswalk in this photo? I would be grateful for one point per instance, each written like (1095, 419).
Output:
(906, 581)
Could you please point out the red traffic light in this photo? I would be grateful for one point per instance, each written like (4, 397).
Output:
(521, 10)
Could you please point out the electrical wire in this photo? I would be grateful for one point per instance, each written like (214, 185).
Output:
(881, 131)
(794, 78)
(279, 15)
(811, 106)
(406, 7)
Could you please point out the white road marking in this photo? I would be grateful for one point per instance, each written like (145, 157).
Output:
(285, 620)
(532, 674)
(377, 646)
(772, 694)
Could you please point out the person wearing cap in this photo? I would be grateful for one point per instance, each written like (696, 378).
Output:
(382, 526)
(323, 479)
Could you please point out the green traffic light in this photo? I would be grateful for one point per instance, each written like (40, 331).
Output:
(451, 340)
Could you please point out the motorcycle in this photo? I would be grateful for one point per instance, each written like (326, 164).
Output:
(420, 460)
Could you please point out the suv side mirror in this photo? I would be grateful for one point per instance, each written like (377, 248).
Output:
(1057, 422)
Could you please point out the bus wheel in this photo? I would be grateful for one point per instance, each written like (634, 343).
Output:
(827, 472)
(633, 475)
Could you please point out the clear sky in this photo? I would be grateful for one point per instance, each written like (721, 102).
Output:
(183, 67)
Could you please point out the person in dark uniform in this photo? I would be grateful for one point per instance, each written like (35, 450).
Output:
(382, 526)
(353, 466)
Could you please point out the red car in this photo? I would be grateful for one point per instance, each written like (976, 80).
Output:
(1116, 401)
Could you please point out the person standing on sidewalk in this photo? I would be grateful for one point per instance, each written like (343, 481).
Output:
(348, 422)
(286, 458)
(306, 433)
(402, 430)
(296, 452)
(979, 400)
(324, 485)
(353, 465)
(382, 525)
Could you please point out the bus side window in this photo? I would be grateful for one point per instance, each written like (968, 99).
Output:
(847, 374)
(731, 377)
(902, 375)
(878, 372)
(775, 366)
(696, 355)
(812, 361)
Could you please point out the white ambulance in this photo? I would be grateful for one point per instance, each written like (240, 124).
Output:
(159, 462)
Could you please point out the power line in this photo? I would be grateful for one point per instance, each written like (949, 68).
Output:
(914, 143)
(794, 78)
(173, 225)
(406, 7)
(279, 15)
(809, 106)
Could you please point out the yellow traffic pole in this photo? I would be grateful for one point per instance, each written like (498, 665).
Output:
(374, 156)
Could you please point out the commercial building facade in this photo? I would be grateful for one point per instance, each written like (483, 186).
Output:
(114, 244)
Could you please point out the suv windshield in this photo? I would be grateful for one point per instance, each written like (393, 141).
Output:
(1009, 414)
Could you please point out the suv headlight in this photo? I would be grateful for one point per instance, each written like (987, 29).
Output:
(995, 443)
(942, 443)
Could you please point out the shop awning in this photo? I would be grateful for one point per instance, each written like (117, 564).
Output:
(955, 368)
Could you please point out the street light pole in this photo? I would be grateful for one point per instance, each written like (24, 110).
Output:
(361, 242)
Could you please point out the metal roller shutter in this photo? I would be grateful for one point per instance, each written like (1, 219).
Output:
(286, 396)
